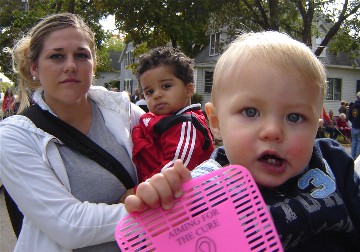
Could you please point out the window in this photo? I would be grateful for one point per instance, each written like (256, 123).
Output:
(129, 58)
(214, 44)
(128, 85)
(317, 44)
(208, 81)
(333, 91)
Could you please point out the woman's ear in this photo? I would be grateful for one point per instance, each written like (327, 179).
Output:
(33, 70)
(211, 113)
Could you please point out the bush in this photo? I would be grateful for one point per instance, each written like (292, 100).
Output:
(197, 98)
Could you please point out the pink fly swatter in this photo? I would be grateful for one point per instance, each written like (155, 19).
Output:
(219, 211)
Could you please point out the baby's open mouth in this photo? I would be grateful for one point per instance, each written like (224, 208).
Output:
(271, 160)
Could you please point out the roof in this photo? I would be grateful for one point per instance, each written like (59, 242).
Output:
(115, 60)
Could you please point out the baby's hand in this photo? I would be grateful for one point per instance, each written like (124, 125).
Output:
(160, 189)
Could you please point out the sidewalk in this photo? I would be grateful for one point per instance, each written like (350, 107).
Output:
(7, 236)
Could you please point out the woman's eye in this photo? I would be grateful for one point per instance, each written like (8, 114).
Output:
(56, 56)
(251, 112)
(82, 56)
(295, 117)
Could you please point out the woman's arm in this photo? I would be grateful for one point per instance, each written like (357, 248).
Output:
(42, 194)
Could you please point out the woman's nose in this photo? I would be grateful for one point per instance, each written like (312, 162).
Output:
(70, 65)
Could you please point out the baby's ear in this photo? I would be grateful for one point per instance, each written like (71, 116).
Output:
(213, 120)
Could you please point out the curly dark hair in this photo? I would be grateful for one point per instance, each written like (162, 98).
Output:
(181, 65)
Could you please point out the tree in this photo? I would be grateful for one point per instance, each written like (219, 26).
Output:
(15, 21)
(295, 17)
(110, 44)
(157, 22)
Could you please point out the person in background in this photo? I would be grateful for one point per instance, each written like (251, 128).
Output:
(8, 104)
(142, 103)
(330, 125)
(354, 118)
(69, 201)
(309, 185)
(342, 108)
(343, 127)
(135, 96)
(173, 129)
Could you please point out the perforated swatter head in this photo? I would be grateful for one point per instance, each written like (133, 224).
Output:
(219, 211)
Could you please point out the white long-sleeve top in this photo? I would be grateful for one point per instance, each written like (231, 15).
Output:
(33, 172)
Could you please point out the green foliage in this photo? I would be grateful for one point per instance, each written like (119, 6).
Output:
(295, 17)
(197, 98)
(4, 86)
(15, 21)
(183, 23)
(110, 43)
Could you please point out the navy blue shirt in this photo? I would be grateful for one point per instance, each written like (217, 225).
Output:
(318, 210)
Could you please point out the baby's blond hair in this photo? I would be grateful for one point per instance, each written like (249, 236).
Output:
(270, 48)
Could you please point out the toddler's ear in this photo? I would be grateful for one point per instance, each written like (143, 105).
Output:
(213, 120)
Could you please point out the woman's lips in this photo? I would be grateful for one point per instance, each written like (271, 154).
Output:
(70, 81)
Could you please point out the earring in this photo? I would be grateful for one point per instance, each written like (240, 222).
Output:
(34, 78)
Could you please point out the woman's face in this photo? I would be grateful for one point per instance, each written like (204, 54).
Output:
(65, 67)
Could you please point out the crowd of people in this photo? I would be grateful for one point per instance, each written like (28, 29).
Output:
(308, 184)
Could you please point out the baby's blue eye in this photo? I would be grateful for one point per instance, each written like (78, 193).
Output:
(251, 112)
(294, 117)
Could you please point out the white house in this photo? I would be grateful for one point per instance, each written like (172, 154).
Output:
(128, 80)
(104, 78)
(343, 74)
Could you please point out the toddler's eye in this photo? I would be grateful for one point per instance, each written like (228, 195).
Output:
(148, 92)
(294, 117)
(166, 86)
(251, 112)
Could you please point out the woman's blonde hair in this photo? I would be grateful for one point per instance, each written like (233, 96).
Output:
(28, 49)
(271, 48)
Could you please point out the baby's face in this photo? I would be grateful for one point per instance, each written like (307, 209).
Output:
(268, 119)
(164, 92)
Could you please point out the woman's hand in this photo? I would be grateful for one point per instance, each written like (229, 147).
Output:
(160, 189)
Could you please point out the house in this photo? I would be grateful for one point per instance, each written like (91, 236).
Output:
(128, 81)
(104, 78)
(343, 74)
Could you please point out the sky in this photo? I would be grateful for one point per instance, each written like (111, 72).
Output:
(109, 23)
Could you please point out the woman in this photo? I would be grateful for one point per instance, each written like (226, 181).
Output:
(68, 200)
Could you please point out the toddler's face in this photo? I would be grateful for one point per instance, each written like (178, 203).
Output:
(268, 119)
(164, 92)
